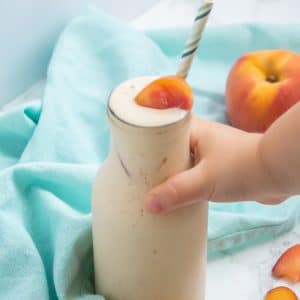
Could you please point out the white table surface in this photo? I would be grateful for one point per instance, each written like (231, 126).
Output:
(247, 274)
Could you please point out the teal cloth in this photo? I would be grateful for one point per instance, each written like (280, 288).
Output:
(51, 149)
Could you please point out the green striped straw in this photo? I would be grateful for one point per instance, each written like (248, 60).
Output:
(194, 38)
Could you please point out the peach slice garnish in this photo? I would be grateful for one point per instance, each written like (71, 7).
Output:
(288, 265)
(166, 92)
(281, 293)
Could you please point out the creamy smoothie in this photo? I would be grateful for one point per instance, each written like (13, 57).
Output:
(123, 105)
(139, 256)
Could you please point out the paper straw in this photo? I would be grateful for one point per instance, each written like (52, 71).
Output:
(194, 38)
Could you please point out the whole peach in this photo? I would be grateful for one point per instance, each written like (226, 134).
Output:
(261, 86)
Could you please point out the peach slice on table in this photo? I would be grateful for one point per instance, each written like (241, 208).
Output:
(281, 293)
(288, 265)
(166, 92)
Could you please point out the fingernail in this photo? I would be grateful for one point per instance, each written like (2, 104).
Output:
(153, 204)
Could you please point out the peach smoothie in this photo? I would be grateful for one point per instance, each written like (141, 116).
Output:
(139, 256)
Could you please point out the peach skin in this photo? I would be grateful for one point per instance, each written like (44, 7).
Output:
(260, 87)
(281, 293)
(288, 265)
(166, 92)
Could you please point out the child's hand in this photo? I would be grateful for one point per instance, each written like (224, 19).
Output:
(228, 166)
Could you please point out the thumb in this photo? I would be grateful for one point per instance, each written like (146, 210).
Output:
(180, 190)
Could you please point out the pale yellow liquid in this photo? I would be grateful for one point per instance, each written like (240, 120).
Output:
(139, 256)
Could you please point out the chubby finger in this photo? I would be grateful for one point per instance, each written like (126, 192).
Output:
(180, 190)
